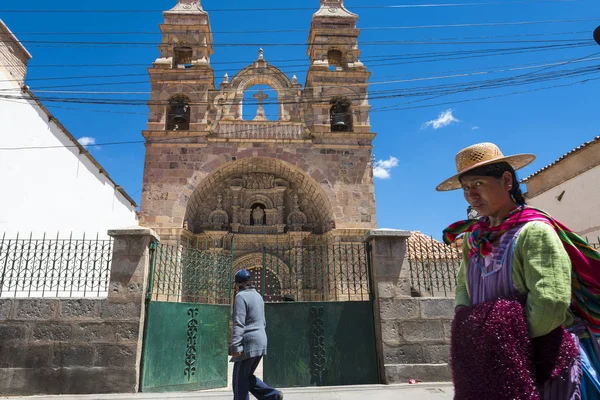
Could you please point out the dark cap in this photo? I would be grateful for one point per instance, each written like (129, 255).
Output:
(242, 276)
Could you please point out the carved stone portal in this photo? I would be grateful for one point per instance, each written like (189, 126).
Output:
(256, 203)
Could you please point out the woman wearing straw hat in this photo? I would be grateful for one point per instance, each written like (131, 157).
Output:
(528, 293)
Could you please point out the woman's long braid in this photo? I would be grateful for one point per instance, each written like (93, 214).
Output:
(516, 192)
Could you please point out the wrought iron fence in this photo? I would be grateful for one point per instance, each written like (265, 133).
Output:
(191, 274)
(433, 266)
(328, 272)
(55, 267)
(204, 274)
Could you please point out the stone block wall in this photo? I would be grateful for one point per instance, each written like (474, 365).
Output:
(67, 346)
(413, 333)
(416, 338)
(334, 184)
(80, 346)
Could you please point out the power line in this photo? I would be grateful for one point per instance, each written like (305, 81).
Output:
(388, 7)
(387, 82)
(415, 57)
(370, 28)
(374, 95)
(387, 109)
(254, 130)
(364, 43)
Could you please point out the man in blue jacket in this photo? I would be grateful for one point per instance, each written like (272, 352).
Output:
(249, 341)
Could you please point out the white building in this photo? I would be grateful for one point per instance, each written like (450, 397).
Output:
(569, 189)
(62, 189)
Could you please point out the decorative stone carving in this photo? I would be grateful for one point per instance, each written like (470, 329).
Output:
(259, 181)
(297, 219)
(218, 219)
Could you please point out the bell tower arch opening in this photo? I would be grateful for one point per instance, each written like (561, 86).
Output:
(341, 115)
(178, 114)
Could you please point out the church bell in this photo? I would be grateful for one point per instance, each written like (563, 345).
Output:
(338, 121)
(179, 114)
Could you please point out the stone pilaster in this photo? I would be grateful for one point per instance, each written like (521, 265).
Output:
(129, 281)
(388, 249)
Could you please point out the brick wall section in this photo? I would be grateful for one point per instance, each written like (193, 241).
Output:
(67, 346)
(80, 346)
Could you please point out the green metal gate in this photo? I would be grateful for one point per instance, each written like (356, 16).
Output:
(187, 319)
(318, 305)
(319, 311)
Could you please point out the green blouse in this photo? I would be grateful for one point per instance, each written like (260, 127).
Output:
(541, 268)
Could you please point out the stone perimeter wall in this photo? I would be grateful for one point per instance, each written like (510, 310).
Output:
(67, 346)
(416, 338)
(80, 346)
(413, 334)
(77, 346)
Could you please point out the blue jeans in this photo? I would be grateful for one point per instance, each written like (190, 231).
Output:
(245, 382)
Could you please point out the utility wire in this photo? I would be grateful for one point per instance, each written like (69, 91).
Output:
(363, 43)
(387, 82)
(415, 57)
(374, 95)
(370, 28)
(399, 6)
(255, 130)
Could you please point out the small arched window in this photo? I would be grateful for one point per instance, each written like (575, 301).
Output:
(341, 116)
(335, 59)
(183, 57)
(178, 114)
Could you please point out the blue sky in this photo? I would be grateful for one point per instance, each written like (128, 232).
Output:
(419, 155)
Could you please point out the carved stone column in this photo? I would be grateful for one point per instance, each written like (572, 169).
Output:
(235, 208)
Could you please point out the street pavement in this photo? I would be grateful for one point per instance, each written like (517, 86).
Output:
(421, 391)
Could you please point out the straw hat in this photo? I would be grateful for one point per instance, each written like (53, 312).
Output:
(479, 155)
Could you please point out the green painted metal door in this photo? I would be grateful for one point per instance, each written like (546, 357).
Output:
(325, 336)
(320, 344)
(186, 336)
(185, 347)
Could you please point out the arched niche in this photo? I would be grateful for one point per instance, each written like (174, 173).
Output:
(280, 179)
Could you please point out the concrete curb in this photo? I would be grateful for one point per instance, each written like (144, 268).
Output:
(423, 391)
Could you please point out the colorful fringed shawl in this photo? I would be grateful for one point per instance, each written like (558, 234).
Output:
(584, 258)
(508, 366)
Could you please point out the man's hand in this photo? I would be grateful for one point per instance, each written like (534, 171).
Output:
(237, 354)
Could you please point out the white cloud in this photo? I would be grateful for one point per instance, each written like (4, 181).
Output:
(444, 119)
(382, 168)
(87, 141)
(475, 128)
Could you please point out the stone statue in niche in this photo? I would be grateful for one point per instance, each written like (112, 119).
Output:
(297, 219)
(258, 215)
(259, 181)
(218, 218)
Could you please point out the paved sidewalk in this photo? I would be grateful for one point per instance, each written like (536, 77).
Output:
(424, 391)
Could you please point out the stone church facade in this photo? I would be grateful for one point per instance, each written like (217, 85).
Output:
(210, 173)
